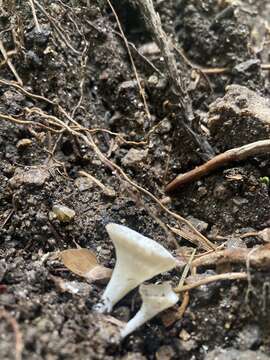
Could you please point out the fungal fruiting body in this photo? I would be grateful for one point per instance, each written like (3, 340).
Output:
(138, 258)
(155, 299)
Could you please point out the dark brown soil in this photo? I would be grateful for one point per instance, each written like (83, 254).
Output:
(78, 60)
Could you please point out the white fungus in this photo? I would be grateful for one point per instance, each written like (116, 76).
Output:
(138, 258)
(155, 299)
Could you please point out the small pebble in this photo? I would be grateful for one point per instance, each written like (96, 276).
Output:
(134, 156)
(33, 177)
(184, 335)
(63, 213)
(23, 143)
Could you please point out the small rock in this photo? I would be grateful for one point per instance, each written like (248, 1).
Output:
(200, 225)
(239, 201)
(39, 38)
(23, 143)
(249, 337)
(122, 313)
(221, 192)
(165, 352)
(204, 293)
(73, 287)
(33, 177)
(10, 97)
(83, 183)
(63, 213)
(187, 346)
(56, 8)
(184, 335)
(127, 85)
(33, 59)
(164, 127)
(233, 354)
(235, 242)
(149, 49)
(153, 80)
(249, 65)
(134, 156)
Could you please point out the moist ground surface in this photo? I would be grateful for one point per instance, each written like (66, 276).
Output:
(74, 55)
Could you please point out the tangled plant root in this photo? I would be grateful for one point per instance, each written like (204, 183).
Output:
(72, 127)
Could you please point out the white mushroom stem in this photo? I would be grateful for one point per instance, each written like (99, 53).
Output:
(138, 258)
(155, 299)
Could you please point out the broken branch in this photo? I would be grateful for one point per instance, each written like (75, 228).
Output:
(237, 154)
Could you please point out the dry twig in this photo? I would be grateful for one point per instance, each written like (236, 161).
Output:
(8, 61)
(34, 15)
(208, 279)
(153, 22)
(237, 154)
(108, 191)
(142, 93)
(182, 308)
(259, 259)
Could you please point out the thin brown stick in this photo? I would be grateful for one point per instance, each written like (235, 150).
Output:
(185, 272)
(258, 259)
(21, 88)
(182, 308)
(18, 336)
(213, 278)
(141, 55)
(153, 22)
(178, 85)
(79, 127)
(108, 191)
(8, 61)
(34, 15)
(142, 92)
(236, 154)
(8, 217)
(27, 122)
(188, 235)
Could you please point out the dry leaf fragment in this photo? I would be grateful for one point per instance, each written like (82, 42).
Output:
(79, 261)
(99, 272)
(265, 235)
(83, 262)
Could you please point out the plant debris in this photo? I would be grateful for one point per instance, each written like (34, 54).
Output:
(83, 262)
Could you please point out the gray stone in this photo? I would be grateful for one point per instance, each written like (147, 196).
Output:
(248, 337)
(134, 157)
(33, 177)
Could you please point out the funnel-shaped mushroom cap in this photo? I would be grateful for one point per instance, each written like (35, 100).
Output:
(138, 258)
(155, 299)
